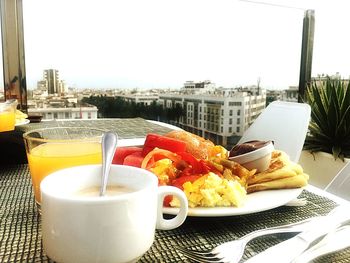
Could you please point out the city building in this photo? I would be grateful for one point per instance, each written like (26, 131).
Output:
(218, 114)
(139, 98)
(78, 112)
(60, 107)
(291, 94)
(51, 83)
(192, 87)
(52, 79)
(51, 100)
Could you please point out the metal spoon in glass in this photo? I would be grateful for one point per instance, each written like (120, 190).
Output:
(109, 145)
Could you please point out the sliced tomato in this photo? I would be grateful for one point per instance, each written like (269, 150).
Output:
(158, 154)
(158, 141)
(178, 182)
(122, 152)
(134, 159)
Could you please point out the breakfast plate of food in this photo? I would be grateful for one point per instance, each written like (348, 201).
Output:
(251, 177)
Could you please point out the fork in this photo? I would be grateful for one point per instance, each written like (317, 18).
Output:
(232, 251)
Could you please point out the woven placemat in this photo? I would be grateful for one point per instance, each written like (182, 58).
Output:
(20, 228)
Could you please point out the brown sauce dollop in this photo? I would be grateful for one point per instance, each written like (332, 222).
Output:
(247, 147)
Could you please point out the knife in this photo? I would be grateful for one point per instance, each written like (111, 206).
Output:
(332, 242)
(288, 250)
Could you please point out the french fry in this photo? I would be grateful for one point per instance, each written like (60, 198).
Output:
(236, 168)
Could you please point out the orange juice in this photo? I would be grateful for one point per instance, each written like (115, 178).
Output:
(7, 120)
(50, 157)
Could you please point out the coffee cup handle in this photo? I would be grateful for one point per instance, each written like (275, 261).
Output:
(167, 224)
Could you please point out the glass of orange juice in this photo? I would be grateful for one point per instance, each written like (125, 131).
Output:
(52, 149)
(7, 116)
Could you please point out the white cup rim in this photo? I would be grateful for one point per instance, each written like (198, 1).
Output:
(46, 184)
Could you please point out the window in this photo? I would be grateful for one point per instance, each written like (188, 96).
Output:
(12, 77)
(237, 129)
(238, 112)
(238, 121)
(61, 49)
(235, 103)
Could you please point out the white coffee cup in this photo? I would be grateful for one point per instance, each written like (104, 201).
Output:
(121, 228)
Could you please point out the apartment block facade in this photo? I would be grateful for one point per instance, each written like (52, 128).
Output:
(218, 114)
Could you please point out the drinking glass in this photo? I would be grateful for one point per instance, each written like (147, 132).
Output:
(8, 115)
(56, 148)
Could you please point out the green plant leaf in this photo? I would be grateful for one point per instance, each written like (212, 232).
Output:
(329, 128)
(336, 150)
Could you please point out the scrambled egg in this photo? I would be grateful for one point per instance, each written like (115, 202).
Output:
(211, 190)
(164, 170)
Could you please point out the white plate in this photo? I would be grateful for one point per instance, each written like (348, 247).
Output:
(256, 202)
(22, 122)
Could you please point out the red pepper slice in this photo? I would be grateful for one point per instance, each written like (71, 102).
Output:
(178, 182)
(158, 154)
(191, 160)
(204, 166)
(162, 142)
(167, 200)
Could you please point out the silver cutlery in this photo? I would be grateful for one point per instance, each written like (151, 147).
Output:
(232, 251)
(332, 242)
(109, 145)
(288, 250)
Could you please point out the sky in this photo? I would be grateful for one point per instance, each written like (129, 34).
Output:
(163, 43)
